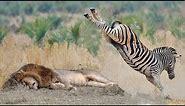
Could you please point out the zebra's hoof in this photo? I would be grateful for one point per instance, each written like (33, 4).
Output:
(86, 15)
(92, 10)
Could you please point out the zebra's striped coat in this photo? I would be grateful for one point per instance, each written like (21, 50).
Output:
(136, 55)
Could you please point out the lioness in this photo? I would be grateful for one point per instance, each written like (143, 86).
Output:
(77, 78)
(30, 82)
(45, 77)
(37, 76)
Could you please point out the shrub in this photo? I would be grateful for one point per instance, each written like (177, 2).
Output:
(55, 21)
(58, 36)
(75, 32)
(3, 33)
(37, 30)
(45, 6)
(72, 6)
(176, 24)
(89, 37)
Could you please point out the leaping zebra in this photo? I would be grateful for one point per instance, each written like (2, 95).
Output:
(148, 62)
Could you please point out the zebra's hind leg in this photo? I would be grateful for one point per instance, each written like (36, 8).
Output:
(155, 80)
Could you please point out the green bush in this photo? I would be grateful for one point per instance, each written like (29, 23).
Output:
(175, 24)
(37, 30)
(81, 33)
(45, 6)
(151, 29)
(3, 33)
(58, 36)
(72, 6)
(3, 20)
(63, 34)
(28, 9)
(75, 32)
(55, 21)
(89, 37)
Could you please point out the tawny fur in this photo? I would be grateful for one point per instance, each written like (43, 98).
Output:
(30, 82)
(45, 76)
(60, 78)
(84, 77)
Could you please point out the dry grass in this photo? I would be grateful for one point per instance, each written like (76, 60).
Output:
(15, 53)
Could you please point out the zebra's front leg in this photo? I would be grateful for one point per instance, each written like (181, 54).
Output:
(155, 80)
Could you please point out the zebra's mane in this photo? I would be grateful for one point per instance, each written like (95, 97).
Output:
(160, 48)
(164, 49)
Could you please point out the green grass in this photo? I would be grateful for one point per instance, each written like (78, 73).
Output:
(75, 32)
(145, 18)
(37, 30)
(3, 33)
(175, 25)
(82, 34)
(58, 36)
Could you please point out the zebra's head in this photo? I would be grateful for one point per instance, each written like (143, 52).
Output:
(170, 68)
(170, 71)
(173, 51)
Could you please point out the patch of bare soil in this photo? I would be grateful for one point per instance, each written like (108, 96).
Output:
(83, 95)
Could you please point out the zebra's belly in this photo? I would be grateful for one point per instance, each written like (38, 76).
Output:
(141, 66)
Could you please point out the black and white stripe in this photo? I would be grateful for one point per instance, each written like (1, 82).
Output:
(148, 62)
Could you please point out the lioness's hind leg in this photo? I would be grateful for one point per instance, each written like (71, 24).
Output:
(99, 84)
(66, 83)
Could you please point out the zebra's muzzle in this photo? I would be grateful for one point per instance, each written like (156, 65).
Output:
(171, 76)
(178, 56)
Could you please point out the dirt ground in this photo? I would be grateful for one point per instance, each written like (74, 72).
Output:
(83, 95)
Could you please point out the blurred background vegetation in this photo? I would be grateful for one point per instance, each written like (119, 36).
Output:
(53, 21)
